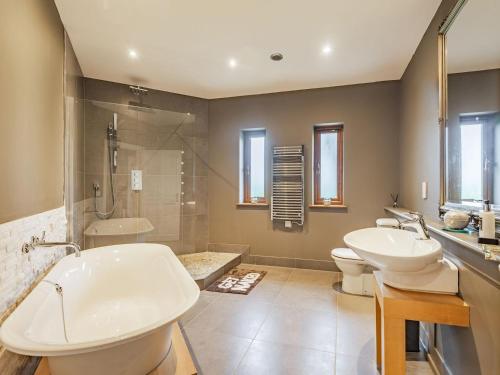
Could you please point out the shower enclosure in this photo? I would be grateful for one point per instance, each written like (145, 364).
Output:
(139, 178)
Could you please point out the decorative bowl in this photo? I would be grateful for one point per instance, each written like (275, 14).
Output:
(456, 219)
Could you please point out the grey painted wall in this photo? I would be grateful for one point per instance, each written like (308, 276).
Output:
(464, 351)
(370, 114)
(37, 67)
(31, 108)
(419, 133)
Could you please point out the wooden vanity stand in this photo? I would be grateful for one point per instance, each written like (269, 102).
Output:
(394, 306)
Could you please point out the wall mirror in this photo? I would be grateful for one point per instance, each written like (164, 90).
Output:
(470, 106)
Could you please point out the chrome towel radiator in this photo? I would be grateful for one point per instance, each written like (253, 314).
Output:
(287, 200)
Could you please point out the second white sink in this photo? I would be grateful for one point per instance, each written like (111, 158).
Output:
(405, 260)
(394, 249)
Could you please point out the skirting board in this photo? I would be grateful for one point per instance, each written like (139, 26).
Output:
(312, 264)
(185, 364)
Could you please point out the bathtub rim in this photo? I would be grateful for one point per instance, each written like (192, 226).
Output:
(16, 341)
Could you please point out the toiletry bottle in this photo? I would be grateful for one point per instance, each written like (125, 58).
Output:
(487, 224)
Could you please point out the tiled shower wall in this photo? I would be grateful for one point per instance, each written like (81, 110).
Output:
(168, 143)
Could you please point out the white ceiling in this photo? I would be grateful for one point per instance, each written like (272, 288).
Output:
(473, 39)
(184, 45)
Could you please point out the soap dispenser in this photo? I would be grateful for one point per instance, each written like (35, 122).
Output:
(487, 222)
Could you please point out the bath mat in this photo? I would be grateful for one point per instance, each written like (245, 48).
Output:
(237, 281)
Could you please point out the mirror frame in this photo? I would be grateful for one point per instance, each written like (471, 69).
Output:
(444, 205)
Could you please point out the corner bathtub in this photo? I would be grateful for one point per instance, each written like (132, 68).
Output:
(119, 306)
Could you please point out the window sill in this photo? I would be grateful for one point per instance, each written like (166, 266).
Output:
(328, 207)
(253, 205)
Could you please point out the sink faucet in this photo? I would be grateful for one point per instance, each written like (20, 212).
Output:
(417, 218)
(40, 242)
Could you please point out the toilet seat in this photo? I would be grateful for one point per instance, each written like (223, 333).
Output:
(346, 255)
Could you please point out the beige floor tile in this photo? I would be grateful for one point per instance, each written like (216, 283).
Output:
(237, 318)
(298, 323)
(218, 354)
(273, 273)
(203, 325)
(276, 359)
(245, 319)
(353, 365)
(313, 277)
(356, 306)
(356, 326)
(206, 298)
(308, 297)
(265, 292)
(300, 327)
(418, 368)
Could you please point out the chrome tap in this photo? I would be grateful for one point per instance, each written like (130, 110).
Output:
(417, 218)
(40, 242)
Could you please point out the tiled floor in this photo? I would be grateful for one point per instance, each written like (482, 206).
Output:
(292, 322)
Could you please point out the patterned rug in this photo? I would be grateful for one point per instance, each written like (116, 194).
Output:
(237, 281)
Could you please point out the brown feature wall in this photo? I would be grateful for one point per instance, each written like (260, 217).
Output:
(370, 114)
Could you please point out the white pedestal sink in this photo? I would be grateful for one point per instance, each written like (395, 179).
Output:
(405, 260)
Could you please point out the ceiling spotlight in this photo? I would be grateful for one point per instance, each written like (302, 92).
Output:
(233, 63)
(132, 53)
(276, 56)
(326, 50)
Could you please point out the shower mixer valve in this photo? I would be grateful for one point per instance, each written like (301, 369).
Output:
(97, 189)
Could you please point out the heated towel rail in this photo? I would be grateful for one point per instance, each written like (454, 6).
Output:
(287, 200)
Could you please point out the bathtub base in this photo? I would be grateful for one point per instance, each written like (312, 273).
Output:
(137, 357)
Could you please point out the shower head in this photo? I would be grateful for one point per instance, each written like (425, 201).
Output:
(138, 90)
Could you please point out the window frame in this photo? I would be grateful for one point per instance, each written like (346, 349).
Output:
(318, 130)
(247, 135)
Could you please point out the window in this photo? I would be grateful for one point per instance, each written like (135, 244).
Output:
(253, 170)
(328, 165)
(471, 161)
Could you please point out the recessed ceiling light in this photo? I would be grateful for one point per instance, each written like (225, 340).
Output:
(233, 63)
(276, 56)
(132, 53)
(327, 49)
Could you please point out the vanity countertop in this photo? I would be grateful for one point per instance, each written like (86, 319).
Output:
(436, 226)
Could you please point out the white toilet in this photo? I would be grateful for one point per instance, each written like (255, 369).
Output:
(356, 278)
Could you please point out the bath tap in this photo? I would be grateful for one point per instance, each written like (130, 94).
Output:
(58, 287)
(40, 242)
(417, 219)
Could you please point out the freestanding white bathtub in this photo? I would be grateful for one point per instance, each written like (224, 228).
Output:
(119, 305)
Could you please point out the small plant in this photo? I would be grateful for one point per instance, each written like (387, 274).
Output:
(395, 198)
